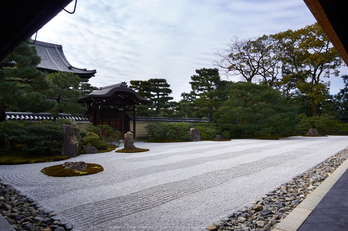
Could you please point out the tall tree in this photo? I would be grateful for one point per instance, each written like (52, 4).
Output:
(22, 84)
(252, 59)
(341, 101)
(307, 56)
(143, 88)
(65, 92)
(204, 86)
(255, 110)
(160, 91)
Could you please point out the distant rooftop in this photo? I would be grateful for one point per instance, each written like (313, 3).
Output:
(54, 60)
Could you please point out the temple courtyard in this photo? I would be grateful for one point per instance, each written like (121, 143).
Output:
(174, 186)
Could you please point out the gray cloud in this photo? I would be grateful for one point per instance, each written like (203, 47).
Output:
(132, 39)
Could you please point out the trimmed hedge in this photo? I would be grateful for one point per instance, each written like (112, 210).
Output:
(34, 138)
(179, 132)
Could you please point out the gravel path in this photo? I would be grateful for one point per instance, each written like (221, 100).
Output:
(174, 186)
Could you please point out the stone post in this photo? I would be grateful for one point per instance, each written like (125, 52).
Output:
(71, 143)
(128, 141)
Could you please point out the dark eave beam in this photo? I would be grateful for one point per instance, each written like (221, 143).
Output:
(20, 19)
(332, 18)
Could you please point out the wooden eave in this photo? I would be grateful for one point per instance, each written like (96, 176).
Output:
(114, 95)
(21, 19)
(331, 16)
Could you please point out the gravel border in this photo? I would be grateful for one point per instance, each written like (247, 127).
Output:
(272, 208)
(23, 213)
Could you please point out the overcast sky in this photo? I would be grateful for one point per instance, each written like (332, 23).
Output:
(141, 39)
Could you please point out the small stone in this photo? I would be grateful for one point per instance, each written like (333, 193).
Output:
(266, 212)
(241, 219)
(260, 224)
(59, 229)
(68, 226)
(47, 229)
(257, 207)
(211, 227)
(29, 227)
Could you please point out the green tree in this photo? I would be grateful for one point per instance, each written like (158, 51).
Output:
(143, 88)
(307, 56)
(204, 88)
(160, 91)
(255, 111)
(185, 107)
(22, 84)
(252, 59)
(340, 101)
(65, 92)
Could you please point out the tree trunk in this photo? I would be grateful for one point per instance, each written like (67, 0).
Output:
(2, 111)
(314, 107)
(2, 119)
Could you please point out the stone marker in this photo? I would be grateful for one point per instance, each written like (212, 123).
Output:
(128, 141)
(89, 149)
(76, 166)
(71, 143)
(195, 134)
(312, 132)
(218, 137)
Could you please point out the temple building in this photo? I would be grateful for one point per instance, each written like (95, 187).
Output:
(54, 60)
(109, 106)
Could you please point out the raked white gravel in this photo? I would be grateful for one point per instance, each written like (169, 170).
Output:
(174, 186)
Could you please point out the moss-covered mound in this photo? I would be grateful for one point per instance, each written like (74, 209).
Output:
(134, 150)
(59, 171)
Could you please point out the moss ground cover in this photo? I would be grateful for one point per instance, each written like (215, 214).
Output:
(59, 171)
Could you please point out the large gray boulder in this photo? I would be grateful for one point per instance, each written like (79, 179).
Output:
(89, 149)
(71, 143)
(312, 132)
(195, 134)
(128, 141)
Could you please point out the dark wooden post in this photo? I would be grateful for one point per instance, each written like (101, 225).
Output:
(122, 121)
(134, 121)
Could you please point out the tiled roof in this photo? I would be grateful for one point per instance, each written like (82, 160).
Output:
(107, 95)
(169, 119)
(54, 60)
(43, 116)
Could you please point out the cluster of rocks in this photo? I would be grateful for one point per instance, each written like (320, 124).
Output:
(76, 166)
(264, 214)
(23, 213)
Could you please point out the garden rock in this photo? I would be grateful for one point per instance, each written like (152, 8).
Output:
(128, 141)
(76, 166)
(89, 149)
(195, 134)
(312, 132)
(218, 137)
(71, 144)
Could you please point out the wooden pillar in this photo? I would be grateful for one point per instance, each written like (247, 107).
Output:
(134, 121)
(122, 122)
(98, 116)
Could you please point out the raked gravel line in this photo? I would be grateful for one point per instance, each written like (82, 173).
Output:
(174, 186)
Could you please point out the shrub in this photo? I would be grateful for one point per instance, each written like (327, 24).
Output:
(94, 140)
(43, 139)
(208, 130)
(255, 111)
(12, 131)
(323, 124)
(170, 132)
(106, 133)
(36, 138)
